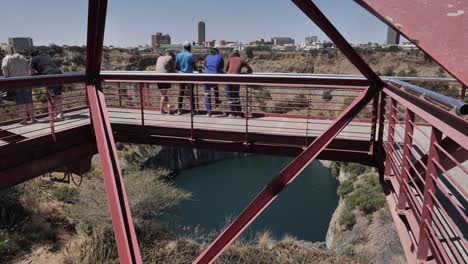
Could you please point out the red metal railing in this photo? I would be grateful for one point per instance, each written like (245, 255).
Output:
(301, 111)
(421, 146)
(44, 109)
(426, 169)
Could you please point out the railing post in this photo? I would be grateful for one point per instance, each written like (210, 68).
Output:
(142, 104)
(383, 103)
(408, 141)
(429, 190)
(120, 96)
(51, 109)
(308, 116)
(374, 113)
(196, 107)
(192, 101)
(246, 116)
(390, 138)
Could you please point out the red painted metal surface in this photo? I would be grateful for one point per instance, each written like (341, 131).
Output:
(424, 22)
(124, 231)
(127, 244)
(314, 13)
(423, 180)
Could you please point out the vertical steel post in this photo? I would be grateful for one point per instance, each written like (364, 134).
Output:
(191, 111)
(246, 116)
(142, 104)
(429, 188)
(50, 107)
(390, 138)
(308, 116)
(383, 102)
(374, 113)
(120, 95)
(408, 145)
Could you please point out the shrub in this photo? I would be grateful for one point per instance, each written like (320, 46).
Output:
(345, 188)
(9, 243)
(66, 194)
(249, 52)
(347, 218)
(367, 197)
(355, 169)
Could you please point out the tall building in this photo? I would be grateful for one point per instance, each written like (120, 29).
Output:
(393, 37)
(280, 41)
(201, 33)
(309, 41)
(21, 43)
(159, 39)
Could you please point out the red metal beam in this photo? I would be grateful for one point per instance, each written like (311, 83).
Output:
(314, 13)
(423, 22)
(127, 244)
(124, 231)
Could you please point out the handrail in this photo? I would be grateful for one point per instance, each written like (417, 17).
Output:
(460, 107)
(249, 79)
(41, 80)
(452, 125)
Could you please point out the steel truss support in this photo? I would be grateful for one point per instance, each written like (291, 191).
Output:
(124, 231)
(127, 244)
(288, 174)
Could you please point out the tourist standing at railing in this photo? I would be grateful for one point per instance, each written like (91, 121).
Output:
(15, 65)
(185, 63)
(165, 64)
(214, 64)
(42, 64)
(235, 65)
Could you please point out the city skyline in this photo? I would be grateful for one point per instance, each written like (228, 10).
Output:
(130, 25)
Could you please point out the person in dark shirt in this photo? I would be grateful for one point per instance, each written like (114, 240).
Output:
(42, 64)
(234, 66)
(214, 64)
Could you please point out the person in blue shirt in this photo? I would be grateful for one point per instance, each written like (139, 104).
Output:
(214, 64)
(185, 63)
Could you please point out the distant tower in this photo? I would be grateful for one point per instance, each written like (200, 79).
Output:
(201, 33)
(393, 37)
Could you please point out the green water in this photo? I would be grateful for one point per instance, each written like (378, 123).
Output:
(224, 189)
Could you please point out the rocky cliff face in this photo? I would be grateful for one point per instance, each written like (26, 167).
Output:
(373, 235)
(172, 158)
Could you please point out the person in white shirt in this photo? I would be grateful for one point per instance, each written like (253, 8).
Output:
(15, 65)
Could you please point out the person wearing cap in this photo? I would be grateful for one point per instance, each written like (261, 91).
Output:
(214, 64)
(185, 63)
(15, 65)
(235, 65)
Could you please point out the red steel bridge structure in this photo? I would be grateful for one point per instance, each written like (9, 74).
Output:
(417, 139)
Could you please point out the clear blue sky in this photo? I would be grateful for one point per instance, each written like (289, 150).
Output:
(131, 22)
